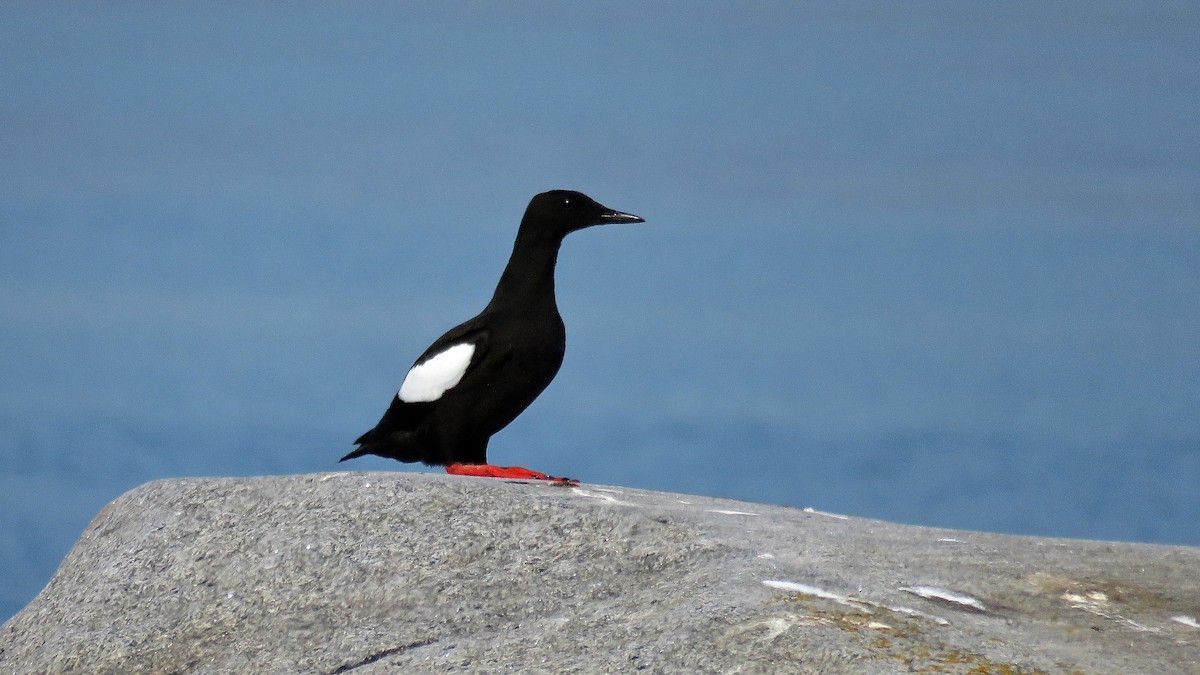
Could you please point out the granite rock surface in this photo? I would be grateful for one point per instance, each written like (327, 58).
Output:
(402, 572)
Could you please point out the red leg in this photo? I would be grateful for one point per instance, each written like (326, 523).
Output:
(493, 471)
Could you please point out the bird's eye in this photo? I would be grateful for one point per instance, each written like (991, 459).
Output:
(567, 203)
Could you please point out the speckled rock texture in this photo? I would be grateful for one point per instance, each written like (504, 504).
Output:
(413, 573)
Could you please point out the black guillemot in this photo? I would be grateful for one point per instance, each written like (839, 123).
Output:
(484, 372)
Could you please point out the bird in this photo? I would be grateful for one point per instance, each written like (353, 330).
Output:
(480, 375)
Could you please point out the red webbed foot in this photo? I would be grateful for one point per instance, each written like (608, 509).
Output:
(493, 471)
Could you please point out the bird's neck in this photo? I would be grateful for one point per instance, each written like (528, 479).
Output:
(528, 279)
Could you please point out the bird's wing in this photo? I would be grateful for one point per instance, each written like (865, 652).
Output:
(444, 364)
(435, 372)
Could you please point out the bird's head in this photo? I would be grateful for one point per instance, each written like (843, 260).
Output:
(560, 212)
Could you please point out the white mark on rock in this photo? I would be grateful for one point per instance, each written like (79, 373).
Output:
(900, 609)
(775, 626)
(794, 587)
(951, 540)
(1186, 620)
(604, 498)
(935, 593)
(766, 556)
(731, 513)
(809, 509)
(1096, 602)
(865, 605)
(1097, 598)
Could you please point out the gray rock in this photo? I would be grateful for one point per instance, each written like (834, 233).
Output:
(399, 572)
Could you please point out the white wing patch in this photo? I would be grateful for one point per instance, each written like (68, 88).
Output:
(431, 378)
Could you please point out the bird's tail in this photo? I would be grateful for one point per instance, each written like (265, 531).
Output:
(365, 447)
(400, 446)
(358, 452)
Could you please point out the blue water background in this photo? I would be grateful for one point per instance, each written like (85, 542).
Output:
(933, 262)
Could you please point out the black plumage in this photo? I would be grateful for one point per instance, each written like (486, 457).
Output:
(477, 377)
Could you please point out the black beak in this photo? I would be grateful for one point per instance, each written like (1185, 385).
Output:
(611, 216)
